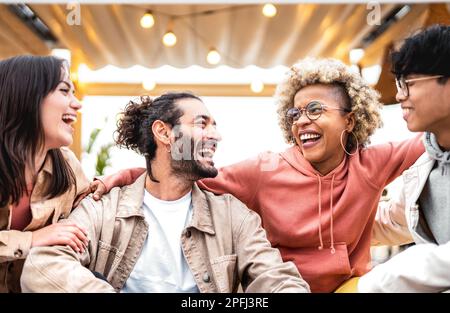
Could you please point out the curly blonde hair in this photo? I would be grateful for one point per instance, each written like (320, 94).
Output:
(363, 99)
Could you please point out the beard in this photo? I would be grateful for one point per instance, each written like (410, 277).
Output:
(185, 163)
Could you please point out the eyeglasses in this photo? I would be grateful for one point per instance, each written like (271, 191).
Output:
(313, 111)
(402, 83)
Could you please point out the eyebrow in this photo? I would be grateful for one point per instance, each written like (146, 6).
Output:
(205, 117)
(67, 84)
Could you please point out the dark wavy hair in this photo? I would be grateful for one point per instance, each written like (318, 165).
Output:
(134, 128)
(24, 83)
(426, 52)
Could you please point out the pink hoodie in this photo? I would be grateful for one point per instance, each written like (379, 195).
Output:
(321, 223)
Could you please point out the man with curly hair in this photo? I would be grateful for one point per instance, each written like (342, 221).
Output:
(162, 233)
(318, 199)
(422, 70)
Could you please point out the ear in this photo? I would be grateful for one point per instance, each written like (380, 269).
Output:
(161, 132)
(350, 120)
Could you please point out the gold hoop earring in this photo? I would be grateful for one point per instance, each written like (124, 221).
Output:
(343, 146)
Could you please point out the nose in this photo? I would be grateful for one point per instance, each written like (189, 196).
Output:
(399, 96)
(303, 120)
(75, 103)
(214, 134)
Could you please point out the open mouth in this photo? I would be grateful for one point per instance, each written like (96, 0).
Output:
(309, 138)
(69, 118)
(208, 149)
(406, 112)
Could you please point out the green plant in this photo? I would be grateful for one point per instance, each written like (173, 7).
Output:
(103, 155)
(103, 159)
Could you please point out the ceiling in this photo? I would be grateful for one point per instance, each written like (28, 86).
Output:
(111, 34)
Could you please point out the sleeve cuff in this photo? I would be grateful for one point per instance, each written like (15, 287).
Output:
(18, 244)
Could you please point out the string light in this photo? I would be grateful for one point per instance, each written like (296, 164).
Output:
(355, 55)
(257, 86)
(169, 39)
(269, 10)
(148, 84)
(147, 20)
(213, 56)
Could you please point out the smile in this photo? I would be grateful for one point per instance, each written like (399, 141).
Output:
(69, 118)
(309, 137)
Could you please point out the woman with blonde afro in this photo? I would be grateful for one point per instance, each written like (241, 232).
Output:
(318, 199)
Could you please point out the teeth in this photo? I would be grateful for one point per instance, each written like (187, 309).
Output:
(308, 136)
(207, 152)
(69, 117)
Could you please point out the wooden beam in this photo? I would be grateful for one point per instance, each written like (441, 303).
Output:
(76, 146)
(223, 90)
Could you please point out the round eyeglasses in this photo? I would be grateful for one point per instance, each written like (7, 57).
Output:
(313, 111)
(402, 83)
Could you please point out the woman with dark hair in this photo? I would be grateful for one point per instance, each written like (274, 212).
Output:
(39, 178)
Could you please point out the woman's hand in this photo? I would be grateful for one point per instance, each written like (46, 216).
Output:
(65, 233)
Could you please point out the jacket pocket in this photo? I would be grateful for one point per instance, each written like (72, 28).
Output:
(108, 258)
(224, 271)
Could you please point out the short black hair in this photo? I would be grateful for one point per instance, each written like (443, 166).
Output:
(427, 52)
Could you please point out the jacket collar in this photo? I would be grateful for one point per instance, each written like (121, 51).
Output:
(416, 176)
(47, 167)
(132, 199)
(201, 216)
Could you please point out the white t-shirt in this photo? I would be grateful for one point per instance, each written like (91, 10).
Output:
(161, 267)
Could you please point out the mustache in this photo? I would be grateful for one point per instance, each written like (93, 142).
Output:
(208, 144)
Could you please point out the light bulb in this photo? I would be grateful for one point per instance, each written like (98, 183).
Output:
(169, 39)
(213, 56)
(147, 21)
(257, 86)
(355, 55)
(148, 84)
(269, 10)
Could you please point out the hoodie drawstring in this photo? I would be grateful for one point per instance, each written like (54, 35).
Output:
(331, 211)
(320, 213)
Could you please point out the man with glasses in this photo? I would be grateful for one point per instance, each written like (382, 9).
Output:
(422, 69)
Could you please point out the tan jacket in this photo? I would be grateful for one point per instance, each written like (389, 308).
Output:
(224, 245)
(15, 245)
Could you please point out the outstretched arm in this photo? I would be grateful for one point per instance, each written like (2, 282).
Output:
(104, 184)
(260, 266)
(390, 227)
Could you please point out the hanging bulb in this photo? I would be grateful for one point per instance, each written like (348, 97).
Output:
(257, 86)
(213, 56)
(355, 55)
(147, 20)
(269, 10)
(148, 84)
(169, 39)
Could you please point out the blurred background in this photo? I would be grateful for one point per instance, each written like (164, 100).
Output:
(232, 55)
